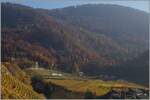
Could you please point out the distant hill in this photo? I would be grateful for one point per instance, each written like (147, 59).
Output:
(64, 45)
(126, 26)
(72, 38)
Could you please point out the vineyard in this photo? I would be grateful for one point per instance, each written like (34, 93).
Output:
(12, 88)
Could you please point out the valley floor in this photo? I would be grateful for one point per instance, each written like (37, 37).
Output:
(97, 88)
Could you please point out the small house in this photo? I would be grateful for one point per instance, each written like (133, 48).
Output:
(56, 74)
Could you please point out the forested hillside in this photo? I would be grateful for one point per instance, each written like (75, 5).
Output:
(135, 70)
(126, 26)
(88, 38)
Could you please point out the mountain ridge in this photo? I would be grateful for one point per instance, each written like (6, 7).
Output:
(42, 36)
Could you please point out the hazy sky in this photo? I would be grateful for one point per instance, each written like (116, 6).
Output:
(51, 4)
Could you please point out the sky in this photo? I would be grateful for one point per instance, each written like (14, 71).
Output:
(52, 4)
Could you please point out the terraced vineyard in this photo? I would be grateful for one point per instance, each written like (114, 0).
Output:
(12, 88)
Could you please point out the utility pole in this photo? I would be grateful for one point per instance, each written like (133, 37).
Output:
(52, 65)
(77, 70)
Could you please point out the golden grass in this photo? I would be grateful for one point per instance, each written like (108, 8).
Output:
(98, 87)
(95, 86)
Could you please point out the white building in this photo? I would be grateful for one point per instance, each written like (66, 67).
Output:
(56, 74)
(36, 65)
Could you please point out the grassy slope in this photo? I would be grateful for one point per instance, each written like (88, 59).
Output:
(13, 88)
(98, 87)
